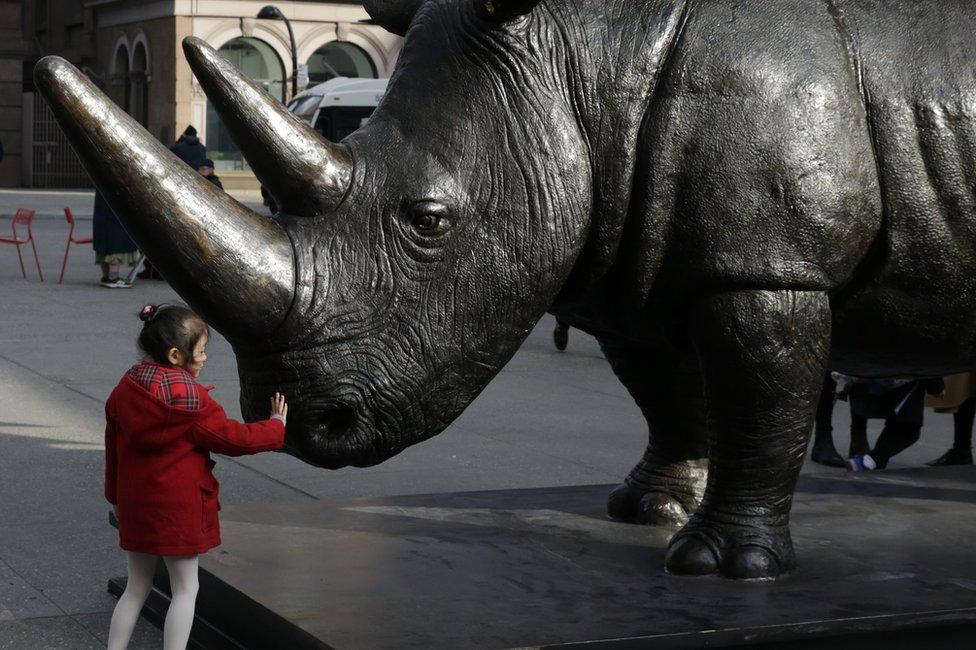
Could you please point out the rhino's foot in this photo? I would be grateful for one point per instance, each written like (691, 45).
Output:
(745, 550)
(663, 496)
(636, 506)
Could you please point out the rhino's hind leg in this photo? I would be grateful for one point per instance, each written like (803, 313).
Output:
(763, 355)
(666, 486)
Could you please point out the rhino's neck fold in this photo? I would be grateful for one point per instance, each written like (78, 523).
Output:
(629, 47)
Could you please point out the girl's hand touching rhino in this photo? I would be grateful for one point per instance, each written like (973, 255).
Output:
(279, 408)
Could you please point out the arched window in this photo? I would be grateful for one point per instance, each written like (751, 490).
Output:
(257, 60)
(339, 59)
(120, 76)
(138, 105)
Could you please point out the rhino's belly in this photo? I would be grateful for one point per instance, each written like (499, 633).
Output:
(911, 306)
(882, 332)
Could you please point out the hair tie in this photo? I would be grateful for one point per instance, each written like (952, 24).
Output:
(147, 313)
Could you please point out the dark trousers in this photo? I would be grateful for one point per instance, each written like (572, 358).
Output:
(962, 425)
(896, 437)
(825, 409)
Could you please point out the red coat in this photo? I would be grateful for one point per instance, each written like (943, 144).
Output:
(158, 466)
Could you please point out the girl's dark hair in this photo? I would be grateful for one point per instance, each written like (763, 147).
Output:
(169, 326)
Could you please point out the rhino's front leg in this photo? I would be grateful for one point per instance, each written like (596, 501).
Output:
(666, 486)
(763, 355)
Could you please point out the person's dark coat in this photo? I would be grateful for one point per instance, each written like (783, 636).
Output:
(108, 235)
(215, 180)
(892, 401)
(190, 150)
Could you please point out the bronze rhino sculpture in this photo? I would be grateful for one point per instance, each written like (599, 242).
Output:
(731, 196)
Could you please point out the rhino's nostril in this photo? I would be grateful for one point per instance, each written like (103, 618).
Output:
(337, 420)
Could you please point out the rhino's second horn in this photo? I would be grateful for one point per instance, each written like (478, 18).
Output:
(233, 266)
(307, 174)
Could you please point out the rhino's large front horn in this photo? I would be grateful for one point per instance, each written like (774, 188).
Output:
(235, 267)
(307, 174)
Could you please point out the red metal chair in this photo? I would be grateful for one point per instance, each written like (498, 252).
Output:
(71, 240)
(23, 217)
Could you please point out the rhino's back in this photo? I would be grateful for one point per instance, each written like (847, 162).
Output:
(912, 305)
(820, 144)
(757, 162)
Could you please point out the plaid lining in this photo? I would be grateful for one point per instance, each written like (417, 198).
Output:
(174, 386)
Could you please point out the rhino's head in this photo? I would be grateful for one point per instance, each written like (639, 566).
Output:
(408, 262)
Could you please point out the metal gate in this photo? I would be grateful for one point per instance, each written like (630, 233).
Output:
(49, 161)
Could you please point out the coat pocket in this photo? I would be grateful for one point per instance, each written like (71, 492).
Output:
(208, 512)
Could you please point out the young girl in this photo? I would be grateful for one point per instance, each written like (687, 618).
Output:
(161, 427)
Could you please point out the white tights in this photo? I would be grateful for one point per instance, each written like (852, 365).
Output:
(179, 619)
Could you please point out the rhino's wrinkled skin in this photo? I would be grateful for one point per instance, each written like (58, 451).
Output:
(731, 196)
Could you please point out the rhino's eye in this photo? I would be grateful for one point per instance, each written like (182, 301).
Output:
(429, 218)
(426, 223)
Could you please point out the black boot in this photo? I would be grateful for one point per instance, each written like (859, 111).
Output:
(955, 456)
(824, 453)
(560, 336)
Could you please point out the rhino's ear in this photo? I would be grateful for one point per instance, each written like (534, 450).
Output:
(393, 15)
(504, 10)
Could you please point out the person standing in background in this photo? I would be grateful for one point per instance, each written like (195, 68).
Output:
(189, 149)
(206, 170)
(112, 245)
(560, 335)
(900, 403)
(960, 400)
(824, 452)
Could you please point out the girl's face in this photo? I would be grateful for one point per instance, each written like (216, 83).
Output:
(195, 364)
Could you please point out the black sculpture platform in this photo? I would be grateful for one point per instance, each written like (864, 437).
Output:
(887, 556)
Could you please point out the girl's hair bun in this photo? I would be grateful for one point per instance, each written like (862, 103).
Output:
(147, 313)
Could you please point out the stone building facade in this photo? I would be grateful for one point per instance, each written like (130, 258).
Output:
(14, 50)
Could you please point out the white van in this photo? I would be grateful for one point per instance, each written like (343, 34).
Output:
(339, 106)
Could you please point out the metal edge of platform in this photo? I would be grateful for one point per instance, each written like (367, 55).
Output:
(255, 626)
(224, 619)
(796, 634)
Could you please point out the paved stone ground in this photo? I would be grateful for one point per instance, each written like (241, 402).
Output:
(548, 419)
